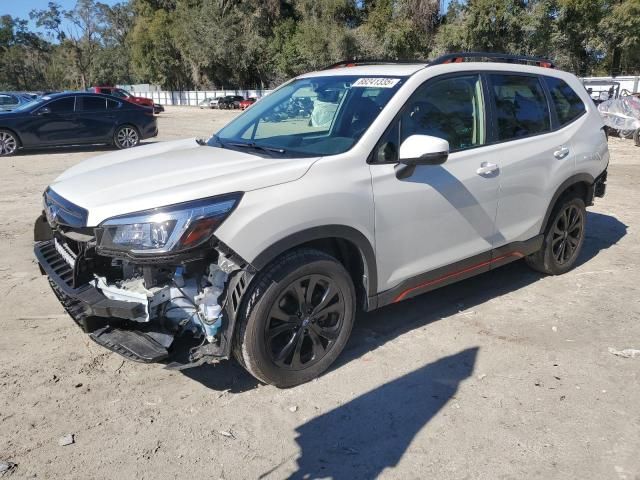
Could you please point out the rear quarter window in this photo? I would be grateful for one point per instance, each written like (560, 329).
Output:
(521, 106)
(566, 101)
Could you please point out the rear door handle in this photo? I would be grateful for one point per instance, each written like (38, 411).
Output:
(561, 153)
(487, 168)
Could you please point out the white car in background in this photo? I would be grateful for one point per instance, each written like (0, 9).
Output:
(209, 102)
(264, 241)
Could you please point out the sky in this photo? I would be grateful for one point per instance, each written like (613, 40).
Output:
(21, 8)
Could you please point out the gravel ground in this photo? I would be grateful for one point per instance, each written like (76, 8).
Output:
(507, 375)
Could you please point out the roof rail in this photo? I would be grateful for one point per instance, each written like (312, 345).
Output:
(495, 57)
(354, 62)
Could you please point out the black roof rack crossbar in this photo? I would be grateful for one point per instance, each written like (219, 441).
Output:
(354, 62)
(496, 57)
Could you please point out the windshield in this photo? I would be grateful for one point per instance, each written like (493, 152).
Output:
(311, 116)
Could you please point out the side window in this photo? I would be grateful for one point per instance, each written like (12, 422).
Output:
(64, 105)
(451, 108)
(521, 106)
(8, 100)
(92, 103)
(568, 104)
(112, 104)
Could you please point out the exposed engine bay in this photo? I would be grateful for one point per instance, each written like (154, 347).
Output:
(179, 299)
(139, 306)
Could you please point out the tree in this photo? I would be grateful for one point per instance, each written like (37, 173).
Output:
(77, 31)
(620, 31)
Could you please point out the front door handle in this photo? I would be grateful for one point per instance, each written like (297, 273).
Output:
(561, 153)
(486, 168)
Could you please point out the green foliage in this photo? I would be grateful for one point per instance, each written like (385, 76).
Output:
(183, 44)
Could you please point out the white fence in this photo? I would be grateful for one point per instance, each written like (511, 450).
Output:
(629, 83)
(193, 98)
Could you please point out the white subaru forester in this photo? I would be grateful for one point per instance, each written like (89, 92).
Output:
(348, 188)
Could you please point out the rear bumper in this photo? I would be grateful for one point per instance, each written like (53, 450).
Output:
(150, 130)
(600, 185)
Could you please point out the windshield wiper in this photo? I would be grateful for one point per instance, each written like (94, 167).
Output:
(255, 146)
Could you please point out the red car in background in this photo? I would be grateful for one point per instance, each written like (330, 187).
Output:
(119, 92)
(244, 104)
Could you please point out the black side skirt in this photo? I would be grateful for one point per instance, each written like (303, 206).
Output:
(457, 271)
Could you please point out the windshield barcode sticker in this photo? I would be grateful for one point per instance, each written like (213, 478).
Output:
(376, 82)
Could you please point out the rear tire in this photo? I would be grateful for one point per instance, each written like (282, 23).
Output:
(563, 238)
(126, 136)
(9, 143)
(296, 319)
(636, 137)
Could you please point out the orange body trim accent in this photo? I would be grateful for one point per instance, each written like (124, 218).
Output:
(455, 274)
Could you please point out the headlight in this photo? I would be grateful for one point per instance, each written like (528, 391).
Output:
(168, 229)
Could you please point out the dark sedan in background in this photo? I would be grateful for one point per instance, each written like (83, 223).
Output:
(230, 101)
(75, 118)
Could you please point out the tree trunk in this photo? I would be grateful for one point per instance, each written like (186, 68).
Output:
(616, 56)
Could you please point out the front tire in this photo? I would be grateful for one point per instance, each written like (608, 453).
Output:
(126, 136)
(8, 143)
(297, 318)
(563, 238)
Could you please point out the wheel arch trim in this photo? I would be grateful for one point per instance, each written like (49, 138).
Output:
(564, 186)
(326, 232)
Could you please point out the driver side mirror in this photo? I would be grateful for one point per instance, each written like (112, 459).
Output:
(44, 111)
(421, 150)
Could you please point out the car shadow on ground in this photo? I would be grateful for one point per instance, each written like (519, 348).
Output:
(374, 329)
(361, 438)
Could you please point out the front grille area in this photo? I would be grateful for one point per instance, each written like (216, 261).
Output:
(60, 211)
(57, 263)
(57, 268)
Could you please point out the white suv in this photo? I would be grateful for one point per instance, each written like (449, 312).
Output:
(348, 188)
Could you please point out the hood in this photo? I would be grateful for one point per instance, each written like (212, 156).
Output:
(166, 173)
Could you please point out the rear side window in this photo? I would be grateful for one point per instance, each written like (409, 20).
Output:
(521, 106)
(64, 105)
(92, 103)
(568, 104)
(112, 104)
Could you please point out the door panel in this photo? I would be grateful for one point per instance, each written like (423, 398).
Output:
(440, 214)
(437, 216)
(95, 122)
(55, 128)
(533, 159)
(530, 173)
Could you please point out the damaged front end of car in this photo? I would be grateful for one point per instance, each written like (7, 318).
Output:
(138, 283)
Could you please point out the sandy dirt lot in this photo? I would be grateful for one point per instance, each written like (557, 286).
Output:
(504, 376)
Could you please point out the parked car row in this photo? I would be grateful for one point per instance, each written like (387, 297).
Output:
(228, 102)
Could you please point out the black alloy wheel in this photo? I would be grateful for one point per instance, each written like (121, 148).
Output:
(567, 234)
(563, 237)
(295, 318)
(304, 322)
